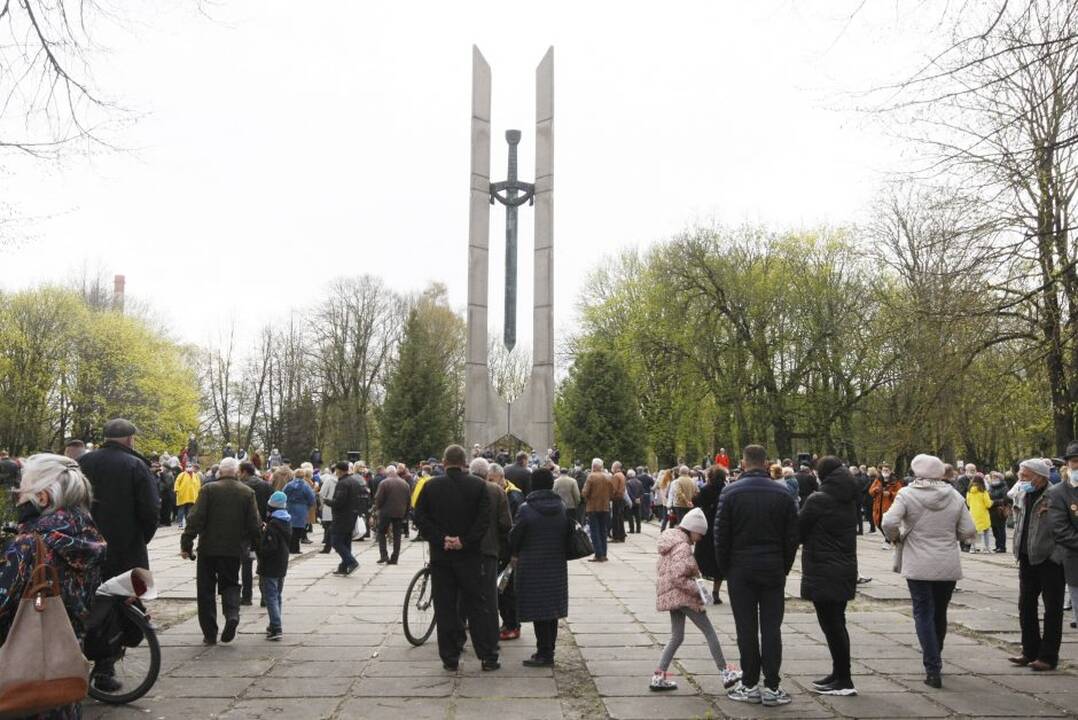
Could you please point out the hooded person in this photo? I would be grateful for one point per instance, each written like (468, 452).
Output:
(273, 552)
(537, 545)
(929, 518)
(828, 525)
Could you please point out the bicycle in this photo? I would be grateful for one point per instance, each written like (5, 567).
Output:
(419, 605)
(138, 663)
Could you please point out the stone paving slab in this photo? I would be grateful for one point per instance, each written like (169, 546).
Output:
(344, 654)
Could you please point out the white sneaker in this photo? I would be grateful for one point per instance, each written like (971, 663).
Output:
(771, 698)
(730, 677)
(661, 681)
(744, 694)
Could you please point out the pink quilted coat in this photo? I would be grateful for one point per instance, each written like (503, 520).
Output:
(675, 577)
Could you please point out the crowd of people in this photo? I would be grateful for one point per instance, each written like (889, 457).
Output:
(499, 536)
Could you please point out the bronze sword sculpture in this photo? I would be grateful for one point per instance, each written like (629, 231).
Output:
(510, 187)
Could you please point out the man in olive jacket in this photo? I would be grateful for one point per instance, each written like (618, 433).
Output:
(225, 519)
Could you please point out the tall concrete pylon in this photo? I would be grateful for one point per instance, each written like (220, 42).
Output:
(487, 416)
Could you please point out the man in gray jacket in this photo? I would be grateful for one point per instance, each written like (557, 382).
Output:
(1040, 570)
(391, 501)
(1063, 511)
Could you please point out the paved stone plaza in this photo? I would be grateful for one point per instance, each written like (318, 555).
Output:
(344, 654)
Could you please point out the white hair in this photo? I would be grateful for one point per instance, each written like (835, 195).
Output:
(597, 464)
(631, 473)
(60, 477)
(391, 470)
(479, 467)
(683, 470)
(495, 470)
(228, 467)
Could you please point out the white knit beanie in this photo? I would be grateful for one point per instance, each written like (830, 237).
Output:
(929, 467)
(694, 521)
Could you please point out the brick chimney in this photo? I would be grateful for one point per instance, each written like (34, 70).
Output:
(118, 293)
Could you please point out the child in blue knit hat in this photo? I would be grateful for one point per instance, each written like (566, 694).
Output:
(273, 560)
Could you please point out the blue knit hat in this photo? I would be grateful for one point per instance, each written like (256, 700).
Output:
(278, 500)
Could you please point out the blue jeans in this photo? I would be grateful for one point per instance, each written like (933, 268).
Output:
(599, 525)
(181, 515)
(930, 600)
(343, 545)
(272, 590)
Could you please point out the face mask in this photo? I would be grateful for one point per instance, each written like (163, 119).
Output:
(28, 511)
(1074, 478)
(1027, 487)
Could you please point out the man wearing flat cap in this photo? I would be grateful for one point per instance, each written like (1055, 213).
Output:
(126, 504)
(1040, 570)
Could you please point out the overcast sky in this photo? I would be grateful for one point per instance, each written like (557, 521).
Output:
(280, 144)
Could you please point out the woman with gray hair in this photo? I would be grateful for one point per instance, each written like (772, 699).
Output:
(53, 502)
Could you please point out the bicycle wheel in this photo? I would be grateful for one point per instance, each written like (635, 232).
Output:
(419, 608)
(136, 668)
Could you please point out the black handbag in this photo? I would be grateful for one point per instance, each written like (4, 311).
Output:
(579, 544)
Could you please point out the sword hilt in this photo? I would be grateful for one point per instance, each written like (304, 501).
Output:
(513, 138)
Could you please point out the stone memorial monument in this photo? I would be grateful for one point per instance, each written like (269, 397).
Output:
(487, 416)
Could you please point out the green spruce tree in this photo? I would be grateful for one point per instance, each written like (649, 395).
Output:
(598, 411)
(417, 417)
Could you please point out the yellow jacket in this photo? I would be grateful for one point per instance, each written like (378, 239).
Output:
(979, 501)
(188, 486)
(419, 488)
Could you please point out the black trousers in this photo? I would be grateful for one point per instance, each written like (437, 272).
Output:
(832, 617)
(490, 603)
(327, 528)
(866, 509)
(546, 635)
(617, 520)
(293, 542)
(999, 529)
(168, 508)
(633, 516)
(247, 578)
(507, 605)
(1045, 581)
(384, 524)
(759, 604)
(215, 575)
(457, 589)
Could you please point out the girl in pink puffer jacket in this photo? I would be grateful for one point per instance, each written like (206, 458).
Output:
(677, 592)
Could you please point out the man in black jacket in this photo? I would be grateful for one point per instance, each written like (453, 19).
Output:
(347, 503)
(755, 545)
(262, 490)
(806, 483)
(520, 474)
(126, 506)
(453, 514)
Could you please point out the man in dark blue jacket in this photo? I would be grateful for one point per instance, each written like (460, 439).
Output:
(755, 546)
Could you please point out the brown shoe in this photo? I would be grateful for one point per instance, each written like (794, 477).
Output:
(1041, 666)
(1019, 660)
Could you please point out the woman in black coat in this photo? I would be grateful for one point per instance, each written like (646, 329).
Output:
(704, 551)
(828, 530)
(541, 579)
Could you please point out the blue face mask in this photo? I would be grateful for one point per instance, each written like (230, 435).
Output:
(1074, 477)
(1027, 487)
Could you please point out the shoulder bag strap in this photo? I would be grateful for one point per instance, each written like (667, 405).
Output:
(44, 579)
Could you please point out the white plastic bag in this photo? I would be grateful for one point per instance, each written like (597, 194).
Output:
(360, 529)
(705, 591)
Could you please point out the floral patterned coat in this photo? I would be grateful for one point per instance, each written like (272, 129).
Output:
(675, 578)
(76, 549)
